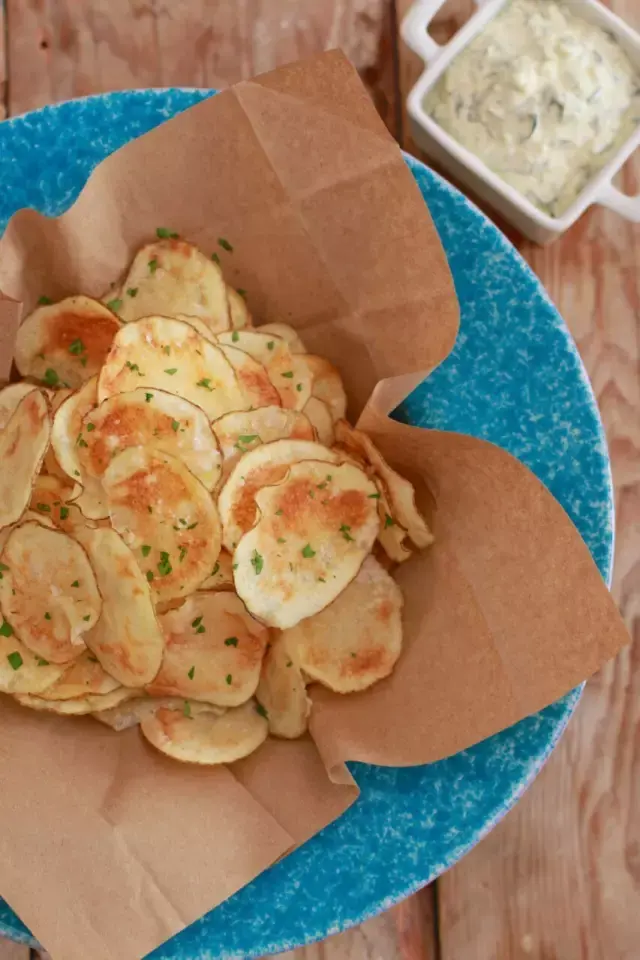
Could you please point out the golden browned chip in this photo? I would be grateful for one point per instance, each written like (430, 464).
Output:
(221, 577)
(356, 640)
(85, 677)
(171, 276)
(400, 492)
(79, 706)
(23, 444)
(213, 651)
(286, 333)
(22, 671)
(392, 536)
(205, 737)
(288, 372)
(253, 379)
(326, 385)
(265, 465)
(239, 312)
(51, 499)
(166, 516)
(282, 692)
(68, 441)
(50, 464)
(240, 432)
(314, 530)
(127, 640)
(171, 355)
(63, 344)
(48, 591)
(320, 416)
(150, 418)
(131, 712)
(10, 397)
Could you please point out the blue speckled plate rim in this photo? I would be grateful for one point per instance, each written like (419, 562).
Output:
(570, 701)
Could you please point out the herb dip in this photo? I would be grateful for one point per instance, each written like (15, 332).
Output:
(542, 97)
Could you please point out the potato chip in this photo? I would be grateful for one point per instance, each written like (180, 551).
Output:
(48, 591)
(355, 641)
(238, 310)
(68, 440)
(83, 678)
(42, 518)
(265, 465)
(290, 336)
(10, 397)
(392, 535)
(282, 692)
(66, 343)
(319, 414)
(221, 577)
(314, 530)
(287, 371)
(127, 640)
(213, 651)
(253, 379)
(51, 498)
(50, 465)
(326, 385)
(400, 492)
(172, 356)
(79, 706)
(200, 326)
(240, 432)
(171, 276)
(21, 671)
(144, 418)
(167, 517)
(23, 444)
(131, 712)
(205, 737)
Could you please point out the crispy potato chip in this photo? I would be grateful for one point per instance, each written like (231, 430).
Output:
(286, 333)
(131, 712)
(238, 310)
(253, 379)
(265, 465)
(64, 344)
(392, 535)
(400, 492)
(205, 737)
(144, 418)
(221, 577)
(21, 671)
(79, 706)
(51, 499)
(240, 432)
(282, 692)
(23, 444)
(314, 530)
(213, 651)
(287, 371)
(83, 678)
(10, 397)
(326, 385)
(167, 517)
(127, 640)
(200, 326)
(172, 356)
(42, 518)
(320, 416)
(50, 465)
(356, 640)
(48, 591)
(170, 277)
(68, 440)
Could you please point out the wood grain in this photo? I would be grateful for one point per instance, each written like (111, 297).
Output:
(13, 951)
(3, 64)
(559, 879)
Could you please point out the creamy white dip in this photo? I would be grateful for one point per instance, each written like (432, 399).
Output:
(543, 97)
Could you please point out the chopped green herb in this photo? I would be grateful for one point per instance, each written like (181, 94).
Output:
(47, 616)
(87, 618)
(388, 521)
(149, 576)
(43, 507)
(175, 425)
(40, 356)
(281, 540)
(196, 622)
(15, 660)
(3, 566)
(153, 265)
(115, 305)
(231, 642)
(257, 562)
(186, 709)
(145, 549)
(234, 566)
(164, 567)
(51, 378)
(289, 663)
(200, 629)
(132, 292)
(205, 382)
(42, 662)
(171, 371)
(83, 361)
(312, 494)
(183, 553)
(76, 473)
(249, 438)
(271, 344)
(76, 583)
(235, 336)
(261, 710)
(278, 513)
(329, 477)
(6, 630)
(353, 654)
(134, 368)
(321, 486)
(90, 427)
(76, 347)
(225, 244)
(215, 258)
(344, 530)
(242, 292)
(81, 441)
(192, 526)
(215, 569)
(374, 496)
(229, 678)
(183, 521)
(43, 301)
(308, 552)
(191, 673)
(165, 234)
(322, 579)
(288, 374)
(64, 513)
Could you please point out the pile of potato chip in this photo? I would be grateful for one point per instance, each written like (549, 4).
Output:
(191, 533)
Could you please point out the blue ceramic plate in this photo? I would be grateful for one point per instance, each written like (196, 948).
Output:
(514, 378)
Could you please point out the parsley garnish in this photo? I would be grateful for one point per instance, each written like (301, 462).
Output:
(166, 349)
(42, 662)
(6, 630)
(322, 579)
(229, 678)
(235, 336)
(215, 258)
(231, 642)
(81, 441)
(200, 629)
(205, 382)
(43, 301)
(51, 378)
(15, 660)
(64, 513)
(278, 513)
(87, 618)
(134, 368)
(388, 521)
(186, 709)
(145, 549)
(215, 569)
(43, 507)
(115, 305)
(164, 234)
(164, 567)
(76, 583)
(261, 710)
(153, 265)
(171, 371)
(183, 553)
(249, 438)
(191, 673)
(271, 344)
(344, 530)
(281, 540)
(3, 566)
(148, 397)
(196, 622)
(192, 526)
(243, 293)
(288, 374)
(175, 425)
(373, 496)
(308, 552)
(225, 244)
(257, 562)
(76, 347)
(149, 576)
(132, 292)
(47, 616)
(90, 427)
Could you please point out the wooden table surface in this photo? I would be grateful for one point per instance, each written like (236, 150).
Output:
(559, 879)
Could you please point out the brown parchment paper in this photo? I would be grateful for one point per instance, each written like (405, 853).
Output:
(107, 848)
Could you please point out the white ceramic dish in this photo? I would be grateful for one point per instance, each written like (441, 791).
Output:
(469, 169)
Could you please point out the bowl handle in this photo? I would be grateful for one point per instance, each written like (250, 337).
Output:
(627, 207)
(414, 26)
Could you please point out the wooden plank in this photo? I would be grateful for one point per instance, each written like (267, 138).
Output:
(13, 951)
(560, 877)
(3, 64)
